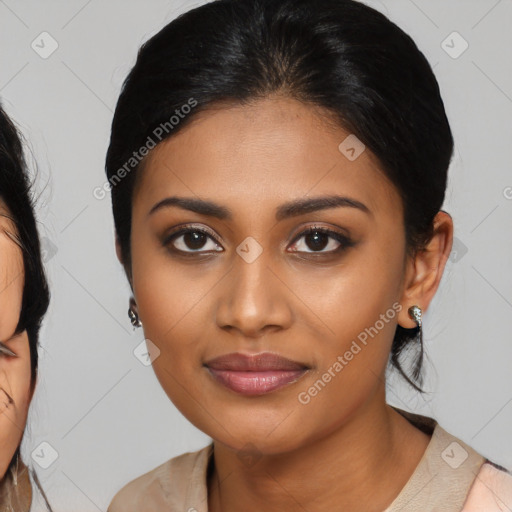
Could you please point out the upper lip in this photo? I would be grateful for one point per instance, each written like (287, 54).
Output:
(264, 361)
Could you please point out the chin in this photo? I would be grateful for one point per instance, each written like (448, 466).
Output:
(262, 439)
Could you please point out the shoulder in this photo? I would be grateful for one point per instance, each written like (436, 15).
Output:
(166, 485)
(491, 490)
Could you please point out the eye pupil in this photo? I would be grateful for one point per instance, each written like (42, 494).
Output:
(194, 239)
(317, 244)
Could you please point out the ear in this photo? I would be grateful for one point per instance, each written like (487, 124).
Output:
(425, 269)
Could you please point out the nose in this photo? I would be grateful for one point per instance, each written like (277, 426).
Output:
(253, 299)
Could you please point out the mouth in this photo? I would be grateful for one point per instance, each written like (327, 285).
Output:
(256, 374)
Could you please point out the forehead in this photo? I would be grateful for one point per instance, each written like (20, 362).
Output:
(269, 151)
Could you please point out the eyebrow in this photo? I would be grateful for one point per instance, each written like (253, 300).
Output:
(287, 210)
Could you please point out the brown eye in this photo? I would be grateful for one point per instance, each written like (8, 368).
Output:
(317, 239)
(192, 239)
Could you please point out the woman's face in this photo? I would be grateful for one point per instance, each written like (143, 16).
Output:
(15, 372)
(256, 283)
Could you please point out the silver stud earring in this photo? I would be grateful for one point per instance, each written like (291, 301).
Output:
(132, 314)
(415, 314)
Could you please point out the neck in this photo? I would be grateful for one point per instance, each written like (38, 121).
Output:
(362, 465)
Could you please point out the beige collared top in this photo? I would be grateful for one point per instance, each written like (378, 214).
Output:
(16, 492)
(450, 477)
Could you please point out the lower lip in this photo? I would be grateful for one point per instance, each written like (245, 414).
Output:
(256, 383)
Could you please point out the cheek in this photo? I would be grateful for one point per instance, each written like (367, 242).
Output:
(169, 293)
(15, 381)
(346, 300)
(355, 316)
(171, 299)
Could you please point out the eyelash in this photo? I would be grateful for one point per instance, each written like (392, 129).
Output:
(343, 240)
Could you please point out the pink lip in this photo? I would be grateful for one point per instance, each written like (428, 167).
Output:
(255, 374)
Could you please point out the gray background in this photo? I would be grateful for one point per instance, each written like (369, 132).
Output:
(98, 407)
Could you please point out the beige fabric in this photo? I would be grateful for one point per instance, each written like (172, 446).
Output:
(16, 498)
(440, 482)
